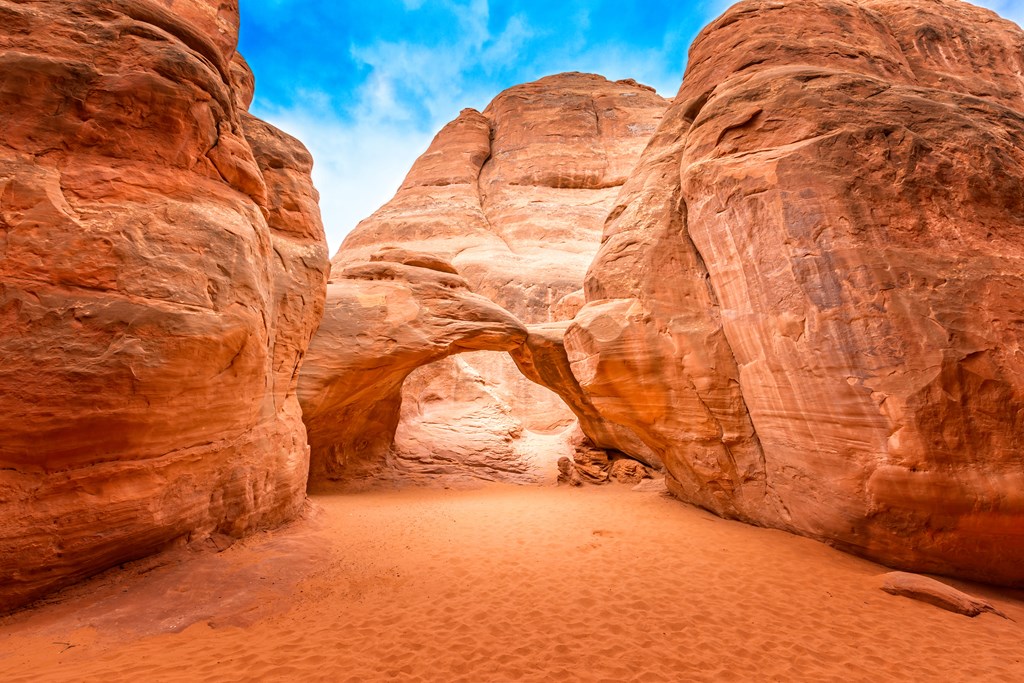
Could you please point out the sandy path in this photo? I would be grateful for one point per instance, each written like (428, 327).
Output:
(508, 584)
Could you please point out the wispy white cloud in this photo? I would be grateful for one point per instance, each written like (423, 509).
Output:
(408, 80)
(400, 87)
(659, 66)
(362, 150)
(1010, 9)
(358, 164)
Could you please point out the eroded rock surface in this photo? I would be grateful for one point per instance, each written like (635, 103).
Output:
(162, 268)
(514, 198)
(543, 359)
(809, 301)
(592, 465)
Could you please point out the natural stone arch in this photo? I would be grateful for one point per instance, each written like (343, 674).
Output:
(384, 319)
(401, 311)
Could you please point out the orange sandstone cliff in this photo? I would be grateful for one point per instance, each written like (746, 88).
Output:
(162, 268)
(809, 298)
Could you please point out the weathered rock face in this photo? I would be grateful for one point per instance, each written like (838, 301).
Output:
(384, 319)
(543, 359)
(515, 199)
(162, 268)
(809, 300)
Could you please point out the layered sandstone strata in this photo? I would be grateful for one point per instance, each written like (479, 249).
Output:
(162, 268)
(809, 300)
(514, 197)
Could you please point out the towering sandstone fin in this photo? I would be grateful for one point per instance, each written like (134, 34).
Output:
(809, 300)
(162, 268)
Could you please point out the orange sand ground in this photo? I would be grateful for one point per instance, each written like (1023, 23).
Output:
(507, 584)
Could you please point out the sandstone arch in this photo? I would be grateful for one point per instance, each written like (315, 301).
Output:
(383, 319)
(401, 311)
(514, 197)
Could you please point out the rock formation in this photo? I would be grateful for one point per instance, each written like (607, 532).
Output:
(514, 198)
(162, 268)
(590, 465)
(809, 299)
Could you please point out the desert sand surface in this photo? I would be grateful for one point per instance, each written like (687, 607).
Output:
(506, 583)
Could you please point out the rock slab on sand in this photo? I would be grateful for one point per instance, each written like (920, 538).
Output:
(162, 268)
(936, 593)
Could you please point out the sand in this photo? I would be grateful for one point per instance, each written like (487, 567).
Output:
(507, 584)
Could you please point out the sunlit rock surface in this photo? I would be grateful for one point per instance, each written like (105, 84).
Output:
(162, 268)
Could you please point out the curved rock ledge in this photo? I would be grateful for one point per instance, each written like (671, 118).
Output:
(384, 319)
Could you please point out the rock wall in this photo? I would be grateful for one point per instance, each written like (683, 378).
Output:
(809, 300)
(514, 198)
(162, 268)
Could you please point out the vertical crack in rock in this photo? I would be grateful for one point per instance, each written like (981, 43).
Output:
(482, 196)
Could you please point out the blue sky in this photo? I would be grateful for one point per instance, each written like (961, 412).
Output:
(366, 84)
